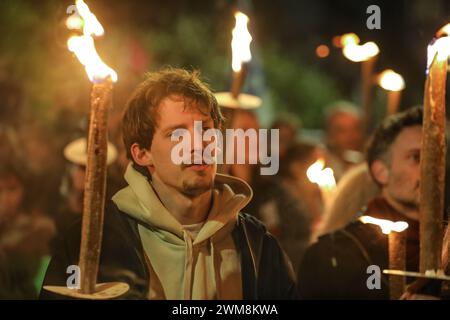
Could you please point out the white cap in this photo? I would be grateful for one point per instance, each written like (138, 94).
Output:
(76, 153)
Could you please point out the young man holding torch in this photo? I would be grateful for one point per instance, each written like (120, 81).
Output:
(177, 231)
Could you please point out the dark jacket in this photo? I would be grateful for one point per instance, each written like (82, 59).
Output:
(335, 267)
(266, 273)
(294, 223)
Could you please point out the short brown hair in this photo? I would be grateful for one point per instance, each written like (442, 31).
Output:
(386, 133)
(140, 119)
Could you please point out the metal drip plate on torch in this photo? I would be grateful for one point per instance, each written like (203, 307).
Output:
(244, 101)
(103, 291)
(436, 276)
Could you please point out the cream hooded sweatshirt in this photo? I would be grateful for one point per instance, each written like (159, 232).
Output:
(207, 267)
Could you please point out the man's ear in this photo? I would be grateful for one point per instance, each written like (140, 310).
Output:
(141, 156)
(380, 172)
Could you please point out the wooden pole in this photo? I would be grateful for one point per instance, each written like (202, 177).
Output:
(393, 101)
(366, 85)
(446, 251)
(432, 167)
(239, 80)
(397, 261)
(445, 287)
(95, 186)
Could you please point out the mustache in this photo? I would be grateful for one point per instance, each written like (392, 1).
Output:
(199, 158)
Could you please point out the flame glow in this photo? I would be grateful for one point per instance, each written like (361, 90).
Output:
(84, 48)
(390, 80)
(440, 48)
(240, 44)
(353, 51)
(386, 226)
(358, 53)
(74, 22)
(324, 177)
(348, 39)
(445, 30)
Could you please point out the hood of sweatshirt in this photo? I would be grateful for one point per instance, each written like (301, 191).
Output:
(183, 267)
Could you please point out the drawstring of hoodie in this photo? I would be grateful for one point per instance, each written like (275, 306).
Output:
(188, 266)
(216, 265)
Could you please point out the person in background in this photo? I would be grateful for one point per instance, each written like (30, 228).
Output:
(289, 127)
(72, 185)
(344, 137)
(299, 157)
(298, 228)
(24, 236)
(335, 267)
(245, 120)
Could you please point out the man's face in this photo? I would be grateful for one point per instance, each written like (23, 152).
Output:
(403, 183)
(344, 132)
(175, 112)
(77, 174)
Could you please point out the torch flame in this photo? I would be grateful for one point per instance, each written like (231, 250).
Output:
(84, 48)
(445, 30)
(324, 177)
(355, 52)
(74, 22)
(440, 46)
(358, 53)
(91, 25)
(440, 49)
(390, 80)
(348, 39)
(386, 226)
(240, 44)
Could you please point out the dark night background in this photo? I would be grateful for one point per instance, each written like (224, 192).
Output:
(146, 35)
(45, 100)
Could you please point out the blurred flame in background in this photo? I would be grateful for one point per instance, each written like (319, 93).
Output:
(390, 80)
(352, 50)
(386, 226)
(240, 44)
(324, 177)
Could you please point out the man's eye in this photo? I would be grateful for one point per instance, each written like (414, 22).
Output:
(175, 134)
(415, 157)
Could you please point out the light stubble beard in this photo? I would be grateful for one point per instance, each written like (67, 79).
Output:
(195, 189)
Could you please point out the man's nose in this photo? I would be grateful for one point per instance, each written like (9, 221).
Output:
(196, 139)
